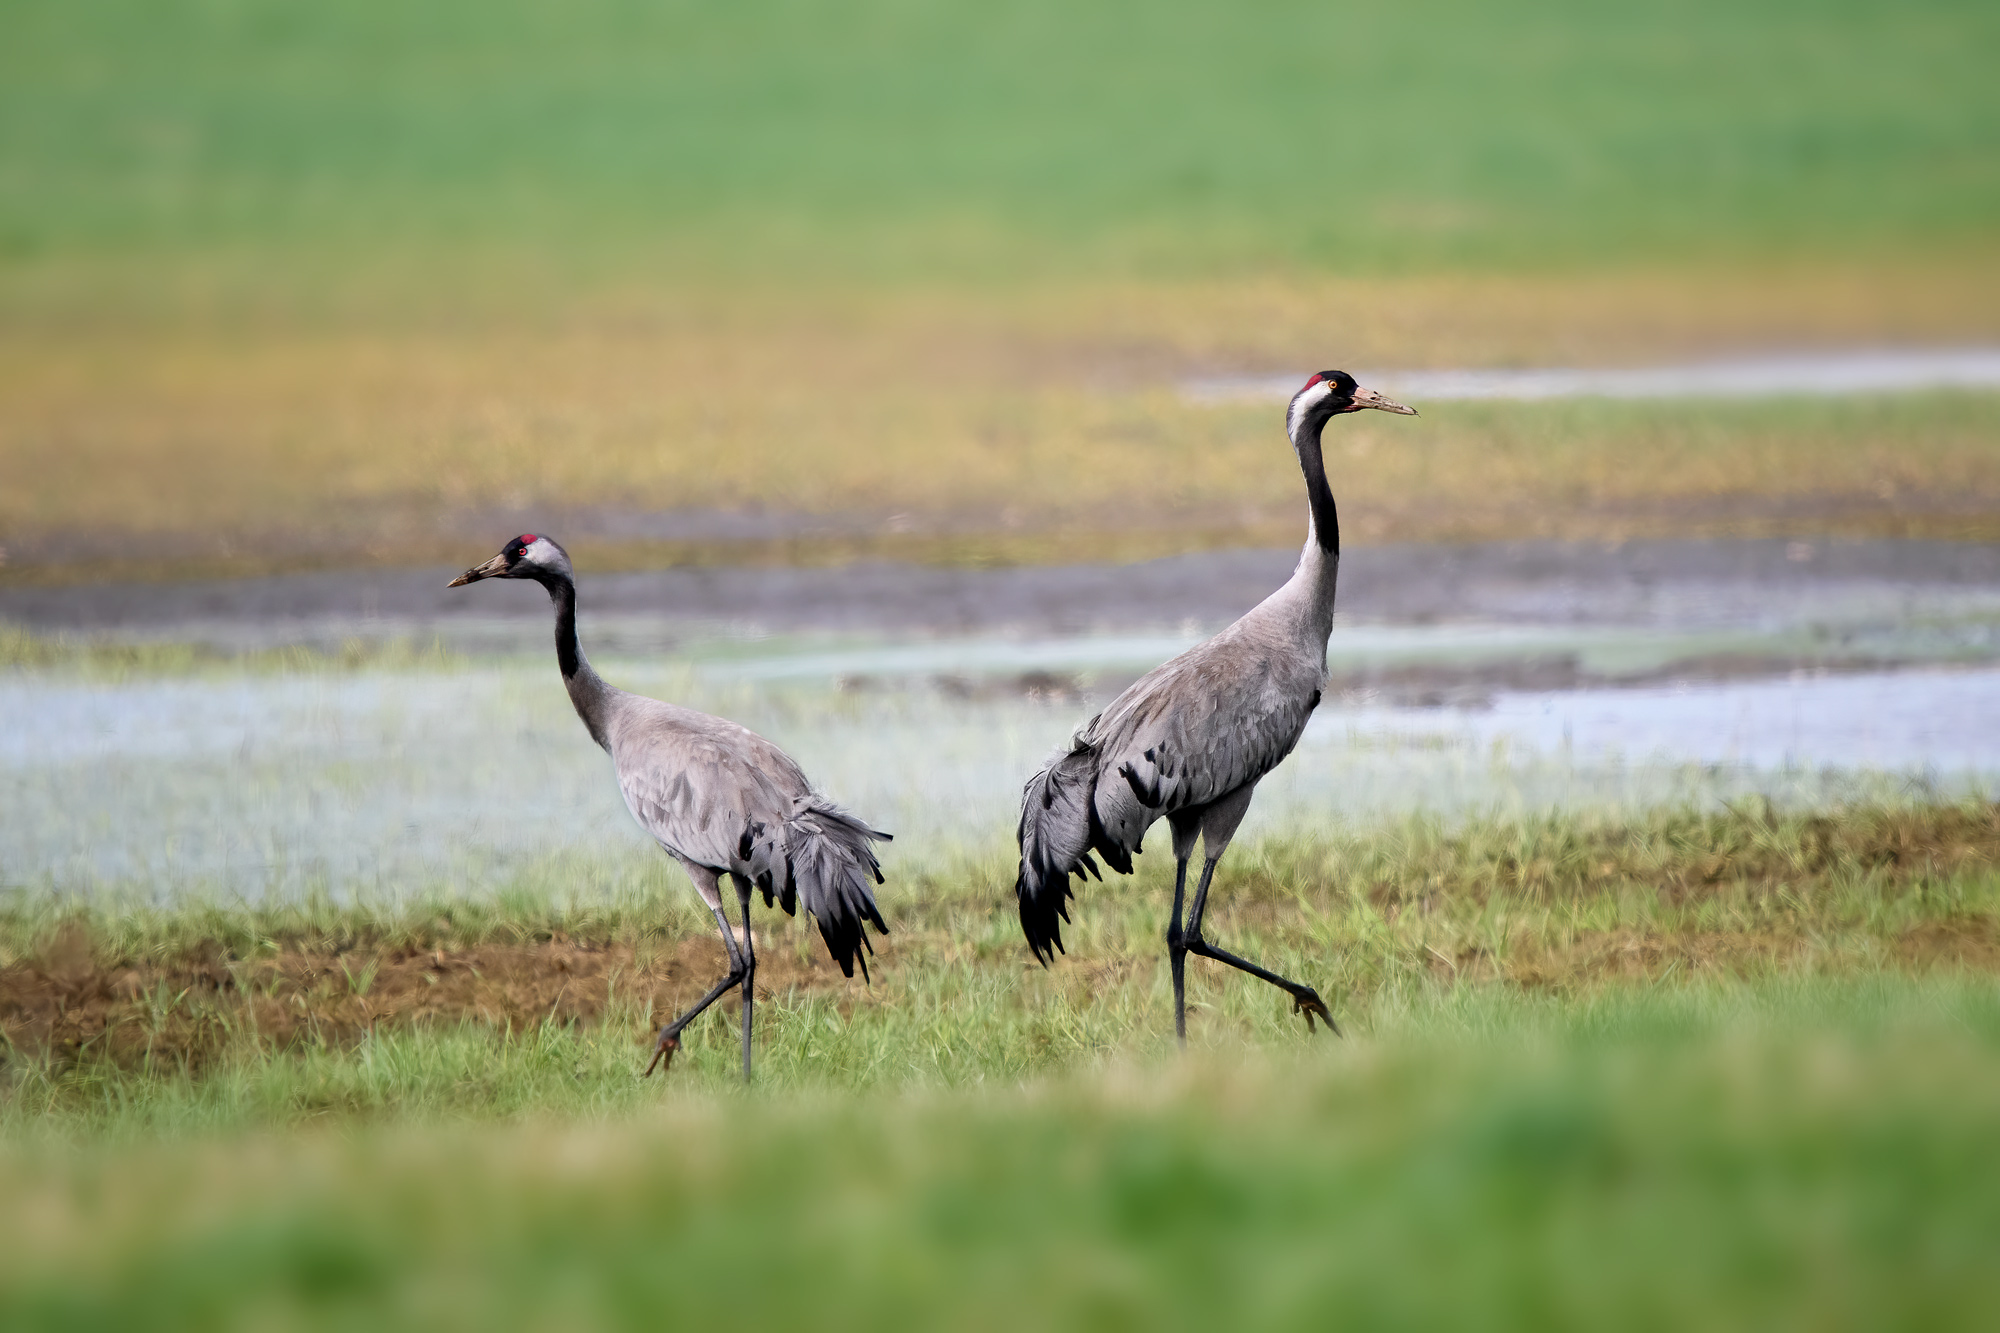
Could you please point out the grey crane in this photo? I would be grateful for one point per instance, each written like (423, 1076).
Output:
(719, 798)
(1191, 739)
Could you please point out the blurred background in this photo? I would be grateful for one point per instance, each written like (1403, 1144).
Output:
(919, 351)
(794, 284)
(904, 379)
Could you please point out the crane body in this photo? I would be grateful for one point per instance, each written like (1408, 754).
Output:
(719, 799)
(1190, 740)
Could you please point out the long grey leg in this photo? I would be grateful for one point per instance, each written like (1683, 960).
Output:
(670, 1035)
(749, 970)
(1177, 953)
(1187, 827)
(728, 937)
(1305, 999)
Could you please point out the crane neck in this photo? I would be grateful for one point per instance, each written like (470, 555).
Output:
(1319, 562)
(588, 692)
(1324, 519)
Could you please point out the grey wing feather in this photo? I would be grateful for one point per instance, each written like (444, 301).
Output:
(1189, 737)
(722, 796)
(1201, 726)
(695, 787)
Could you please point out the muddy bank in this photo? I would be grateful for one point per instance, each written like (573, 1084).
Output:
(1660, 584)
(67, 1004)
(189, 1014)
(69, 995)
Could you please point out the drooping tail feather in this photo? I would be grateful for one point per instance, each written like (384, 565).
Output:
(1058, 833)
(822, 856)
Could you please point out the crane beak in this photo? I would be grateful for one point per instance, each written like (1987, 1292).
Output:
(491, 569)
(1369, 398)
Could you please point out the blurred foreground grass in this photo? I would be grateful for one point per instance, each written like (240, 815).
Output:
(1733, 1069)
(1796, 1153)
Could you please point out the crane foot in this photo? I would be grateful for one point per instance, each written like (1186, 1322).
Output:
(1310, 1004)
(668, 1044)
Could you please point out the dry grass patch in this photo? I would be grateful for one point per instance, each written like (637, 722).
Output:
(71, 1002)
(1682, 859)
(953, 427)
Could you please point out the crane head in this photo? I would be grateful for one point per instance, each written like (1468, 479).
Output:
(528, 556)
(1331, 392)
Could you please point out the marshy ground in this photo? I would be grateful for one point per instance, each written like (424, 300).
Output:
(1564, 906)
(1656, 888)
(1645, 847)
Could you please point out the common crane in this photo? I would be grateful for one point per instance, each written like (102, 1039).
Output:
(719, 798)
(1191, 739)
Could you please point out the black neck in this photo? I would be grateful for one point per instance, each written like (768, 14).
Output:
(1326, 520)
(563, 593)
(595, 701)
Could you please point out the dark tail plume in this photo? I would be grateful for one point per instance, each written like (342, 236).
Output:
(1058, 833)
(823, 857)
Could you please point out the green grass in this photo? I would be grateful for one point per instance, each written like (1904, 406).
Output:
(1791, 1155)
(383, 467)
(295, 288)
(98, 661)
(889, 138)
(1386, 922)
(1733, 1069)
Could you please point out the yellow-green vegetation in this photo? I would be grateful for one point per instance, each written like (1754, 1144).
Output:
(1795, 1153)
(1733, 1069)
(282, 289)
(130, 1014)
(97, 661)
(287, 286)
(281, 458)
(162, 143)
(1692, 1159)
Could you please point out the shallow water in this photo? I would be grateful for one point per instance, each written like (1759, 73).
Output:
(388, 783)
(1821, 374)
(1690, 673)
(1940, 722)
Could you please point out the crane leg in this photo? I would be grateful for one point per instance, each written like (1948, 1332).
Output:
(1305, 1000)
(670, 1035)
(749, 970)
(1177, 952)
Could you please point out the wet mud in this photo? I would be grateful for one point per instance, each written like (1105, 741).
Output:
(1663, 584)
(69, 1003)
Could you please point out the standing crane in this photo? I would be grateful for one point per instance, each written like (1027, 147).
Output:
(1191, 739)
(719, 798)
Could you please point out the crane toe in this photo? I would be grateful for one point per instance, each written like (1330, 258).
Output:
(667, 1045)
(1310, 1004)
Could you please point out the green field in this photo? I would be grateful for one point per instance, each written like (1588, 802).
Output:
(362, 285)
(966, 475)
(291, 288)
(128, 1015)
(892, 139)
(1792, 1155)
(1724, 1061)
(1733, 1069)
